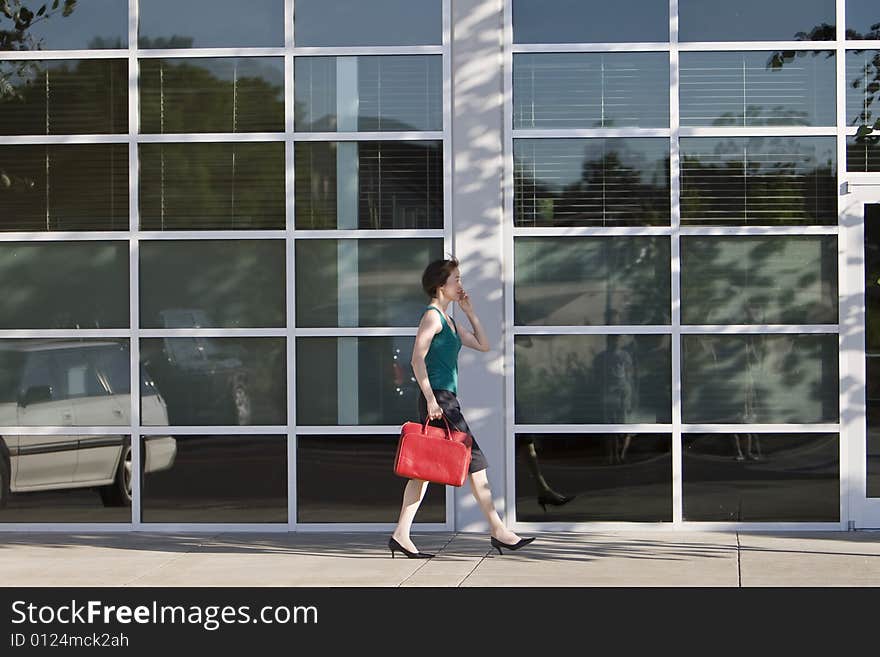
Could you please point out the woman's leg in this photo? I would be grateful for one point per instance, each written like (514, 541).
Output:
(412, 497)
(483, 495)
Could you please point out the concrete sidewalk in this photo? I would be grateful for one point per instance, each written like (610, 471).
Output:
(362, 559)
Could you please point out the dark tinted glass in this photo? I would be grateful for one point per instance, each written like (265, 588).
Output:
(205, 186)
(593, 379)
(212, 283)
(760, 379)
(64, 285)
(369, 185)
(760, 477)
(591, 90)
(574, 21)
(759, 280)
(591, 182)
(67, 25)
(570, 281)
(362, 282)
(758, 180)
(210, 24)
(863, 153)
(362, 490)
(240, 94)
(862, 87)
(593, 477)
(862, 19)
(374, 23)
(756, 20)
(872, 346)
(204, 479)
(757, 88)
(64, 187)
(218, 381)
(355, 380)
(64, 97)
(369, 93)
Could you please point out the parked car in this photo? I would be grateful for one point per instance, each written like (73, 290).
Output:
(60, 383)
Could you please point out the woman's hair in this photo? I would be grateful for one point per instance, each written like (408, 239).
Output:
(436, 275)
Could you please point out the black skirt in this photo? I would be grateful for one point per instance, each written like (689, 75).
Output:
(451, 409)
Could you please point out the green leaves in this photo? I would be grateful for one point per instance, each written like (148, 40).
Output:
(69, 6)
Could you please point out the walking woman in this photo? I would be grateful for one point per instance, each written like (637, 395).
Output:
(435, 363)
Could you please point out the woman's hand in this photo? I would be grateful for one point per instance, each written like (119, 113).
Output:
(434, 410)
(464, 302)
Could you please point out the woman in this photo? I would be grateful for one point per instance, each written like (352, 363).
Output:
(435, 363)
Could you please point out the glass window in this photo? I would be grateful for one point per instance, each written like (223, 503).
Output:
(212, 283)
(362, 490)
(863, 153)
(575, 21)
(67, 187)
(67, 25)
(593, 379)
(761, 477)
(759, 379)
(757, 88)
(369, 93)
(862, 87)
(369, 185)
(759, 280)
(210, 186)
(872, 347)
(756, 20)
(591, 90)
(204, 479)
(217, 381)
(230, 94)
(64, 97)
(64, 285)
(862, 19)
(210, 24)
(591, 182)
(570, 281)
(355, 380)
(374, 23)
(758, 180)
(368, 282)
(592, 477)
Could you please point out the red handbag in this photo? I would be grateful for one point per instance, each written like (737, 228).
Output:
(438, 455)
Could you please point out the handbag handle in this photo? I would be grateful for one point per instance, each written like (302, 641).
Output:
(448, 428)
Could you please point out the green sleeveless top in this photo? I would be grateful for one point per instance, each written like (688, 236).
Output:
(441, 360)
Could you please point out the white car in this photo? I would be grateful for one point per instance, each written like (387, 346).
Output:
(73, 384)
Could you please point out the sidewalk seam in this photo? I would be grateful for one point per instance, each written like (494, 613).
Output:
(477, 565)
(425, 562)
(739, 576)
(172, 560)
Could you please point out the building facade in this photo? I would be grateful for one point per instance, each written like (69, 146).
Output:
(213, 225)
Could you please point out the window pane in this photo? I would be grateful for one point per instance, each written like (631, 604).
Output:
(92, 24)
(591, 90)
(758, 88)
(179, 284)
(756, 20)
(369, 185)
(212, 186)
(863, 153)
(363, 491)
(570, 281)
(872, 347)
(759, 280)
(761, 477)
(210, 24)
(203, 479)
(64, 285)
(862, 86)
(591, 182)
(241, 94)
(362, 282)
(64, 382)
(374, 23)
(758, 379)
(369, 93)
(593, 379)
(350, 380)
(574, 21)
(217, 381)
(593, 477)
(862, 19)
(64, 97)
(758, 180)
(64, 187)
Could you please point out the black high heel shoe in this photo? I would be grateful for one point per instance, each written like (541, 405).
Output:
(515, 546)
(394, 545)
(553, 500)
